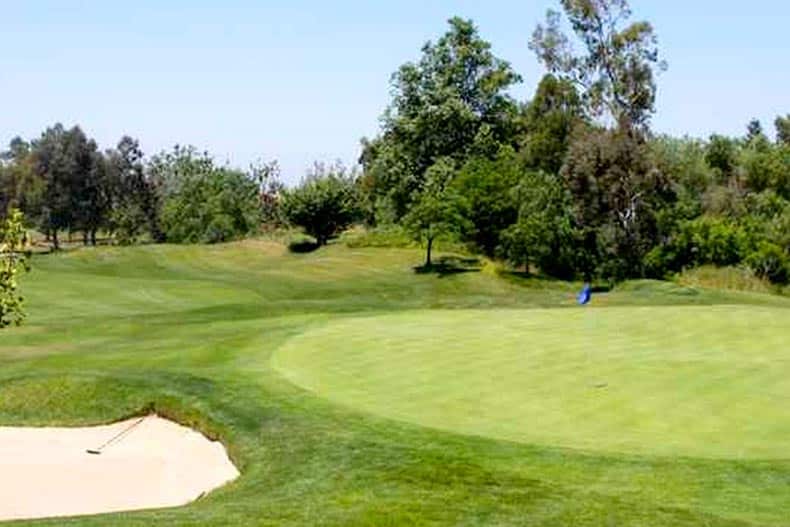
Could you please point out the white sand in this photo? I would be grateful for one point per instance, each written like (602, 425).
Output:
(46, 472)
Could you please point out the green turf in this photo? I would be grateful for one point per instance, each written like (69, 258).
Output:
(192, 331)
(682, 380)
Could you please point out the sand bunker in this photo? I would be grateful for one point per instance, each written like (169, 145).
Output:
(47, 472)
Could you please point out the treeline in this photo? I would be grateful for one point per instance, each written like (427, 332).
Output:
(62, 182)
(571, 184)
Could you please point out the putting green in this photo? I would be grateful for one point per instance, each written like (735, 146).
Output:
(691, 381)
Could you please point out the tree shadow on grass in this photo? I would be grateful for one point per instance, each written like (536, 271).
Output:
(450, 265)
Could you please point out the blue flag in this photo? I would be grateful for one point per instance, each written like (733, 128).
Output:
(585, 295)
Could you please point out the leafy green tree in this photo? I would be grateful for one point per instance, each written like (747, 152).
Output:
(438, 210)
(325, 203)
(766, 166)
(616, 192)
(543, 234)
(771, 262)
(783, 130)
(13, 261)
(701, 241)
(754, 130)
(487, 186)
(451, 101)
(20, 186)
(550, 117)
(722, 156)
(134, 200)
(74, 194)
(202, 203)
(616, 74)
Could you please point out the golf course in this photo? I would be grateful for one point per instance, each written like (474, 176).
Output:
(350, 390)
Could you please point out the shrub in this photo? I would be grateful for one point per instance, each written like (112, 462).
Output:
(704, 240)
(324, 204)
(769, 261)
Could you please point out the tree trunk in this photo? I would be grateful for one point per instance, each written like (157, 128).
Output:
(55, 243)
(93, 237)
(84, 237)
(428, 253)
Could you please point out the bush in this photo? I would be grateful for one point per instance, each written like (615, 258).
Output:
(702, 241)
(302, 243)
(203, 203)
(769, 261)
(324, 204)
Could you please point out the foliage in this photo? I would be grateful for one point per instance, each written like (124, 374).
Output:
(75, 189)
(13, 261)
(549, 120)
(486, 185)
(450, 103)
(701, 241)
(771, 262)
(438, 209)
(203, 203)
(543, 234)
(616, 72)
(616, 192)
(783, 129)
(325, 203)
(134, 201)
(267, 176)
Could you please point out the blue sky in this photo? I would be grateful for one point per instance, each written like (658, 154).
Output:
(303, 80)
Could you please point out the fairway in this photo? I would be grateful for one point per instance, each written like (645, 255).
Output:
(691, 381)
(468, 399)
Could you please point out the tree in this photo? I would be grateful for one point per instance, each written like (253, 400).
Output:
(20, 187)
(452, 99)
(550, 118)
(267, 175)
(543, 233)
(721, 155)
(202, 203)
(616, 74)
(487, 185)
(615, 194)
(754, 130)
(133, 196)
(73, 195)
(783, 129)
(13, 261)
(325, 203)
(438, 209)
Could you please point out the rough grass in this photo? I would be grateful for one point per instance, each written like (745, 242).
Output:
(191, 330)
(728, 278)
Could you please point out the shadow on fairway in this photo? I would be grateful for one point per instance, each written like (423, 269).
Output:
(450, 265)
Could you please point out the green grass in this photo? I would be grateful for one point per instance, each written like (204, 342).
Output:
(707, 381)
(194, 331)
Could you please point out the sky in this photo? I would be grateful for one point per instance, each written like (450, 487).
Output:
(303, 80)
